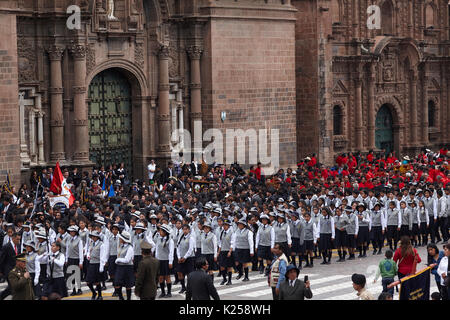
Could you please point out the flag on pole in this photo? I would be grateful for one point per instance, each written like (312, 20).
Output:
(417, 286)
(7, 185)
(111, 192)
(59, 185)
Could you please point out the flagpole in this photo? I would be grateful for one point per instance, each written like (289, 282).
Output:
(396, 283)
(35, 198)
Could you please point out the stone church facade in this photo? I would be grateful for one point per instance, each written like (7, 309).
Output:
(380, 89)
(136, 70)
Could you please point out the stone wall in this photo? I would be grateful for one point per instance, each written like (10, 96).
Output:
(9, 104)
(307, 77)
(248, 72)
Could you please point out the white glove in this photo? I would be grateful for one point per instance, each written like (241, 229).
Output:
(36, 281)
(101, 268)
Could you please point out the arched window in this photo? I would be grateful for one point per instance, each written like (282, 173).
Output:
(431, 114)
(387, 18)
(337, 120)
(429, 16)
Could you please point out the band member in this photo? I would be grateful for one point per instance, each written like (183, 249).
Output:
(226, 260)
(364, 225)
(55, 272)
(186, 255)
(415, 222)
(243, 248)
(198, 238)
(424, 222)
(61, 237)
(97, 255)
(295, 229)
(315, 217)
(393, 222)
(430, 205)
(326, 235)
(265, 240)
(83, 233)
(74, 254)
(124, 276)
(209, 247)
(310, 231)
(283, 234)
(340, 222)
(32, 264)
(27, 235)
(406, 220)
(137, 237)
(113, 246)
(177, 232)
(42, 249)
(351, 229)
(377, 227)
(164, 251)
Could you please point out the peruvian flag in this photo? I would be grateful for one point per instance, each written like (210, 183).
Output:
(59, 185)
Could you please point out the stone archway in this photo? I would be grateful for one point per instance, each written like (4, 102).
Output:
(110, 119)
(384, 134)
(136, 104)
(388, 109)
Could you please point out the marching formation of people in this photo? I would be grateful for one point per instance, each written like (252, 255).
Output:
(235, 221)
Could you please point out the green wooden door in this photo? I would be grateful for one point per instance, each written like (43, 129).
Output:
(384, 138)
(110, 128)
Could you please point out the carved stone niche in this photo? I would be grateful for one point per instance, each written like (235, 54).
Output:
(339, 142)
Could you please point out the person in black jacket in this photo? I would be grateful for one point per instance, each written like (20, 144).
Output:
(200, 286)
(8, 260)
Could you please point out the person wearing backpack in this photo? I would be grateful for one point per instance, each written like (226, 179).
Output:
(387, 268)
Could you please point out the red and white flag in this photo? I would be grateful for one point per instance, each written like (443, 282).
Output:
(59, 185)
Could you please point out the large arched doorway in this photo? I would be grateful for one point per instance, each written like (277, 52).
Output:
(384, 136)
(110, 119)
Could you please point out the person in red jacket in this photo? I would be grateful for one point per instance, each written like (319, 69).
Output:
(370, 156)
(406, 257)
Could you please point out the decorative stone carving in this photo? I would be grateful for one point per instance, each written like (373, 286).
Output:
(163, 51)
(139, 54)
(78, 51)
(55, 52)
(195, 52)
(388, 74)
(27, 60)
(90, 59)
(173, 62)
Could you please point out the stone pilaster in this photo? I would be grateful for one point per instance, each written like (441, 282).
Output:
(56, 102)
(358, 111)
(195, 53)
(163, 115)
(371, 107)
(80, 112)
(413, 106)
(425, 120)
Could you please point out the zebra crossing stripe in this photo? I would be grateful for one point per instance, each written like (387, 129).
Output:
(268, 291)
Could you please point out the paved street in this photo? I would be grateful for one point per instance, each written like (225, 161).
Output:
(328, 282)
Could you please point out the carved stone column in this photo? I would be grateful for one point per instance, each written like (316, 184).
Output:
(163, 100)
(425, 109)
(371, 107)
(414, 123)
(80, 112)
(24, 157)
(56, 102)
(195, 53)
(40, 137)
(358, 111)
